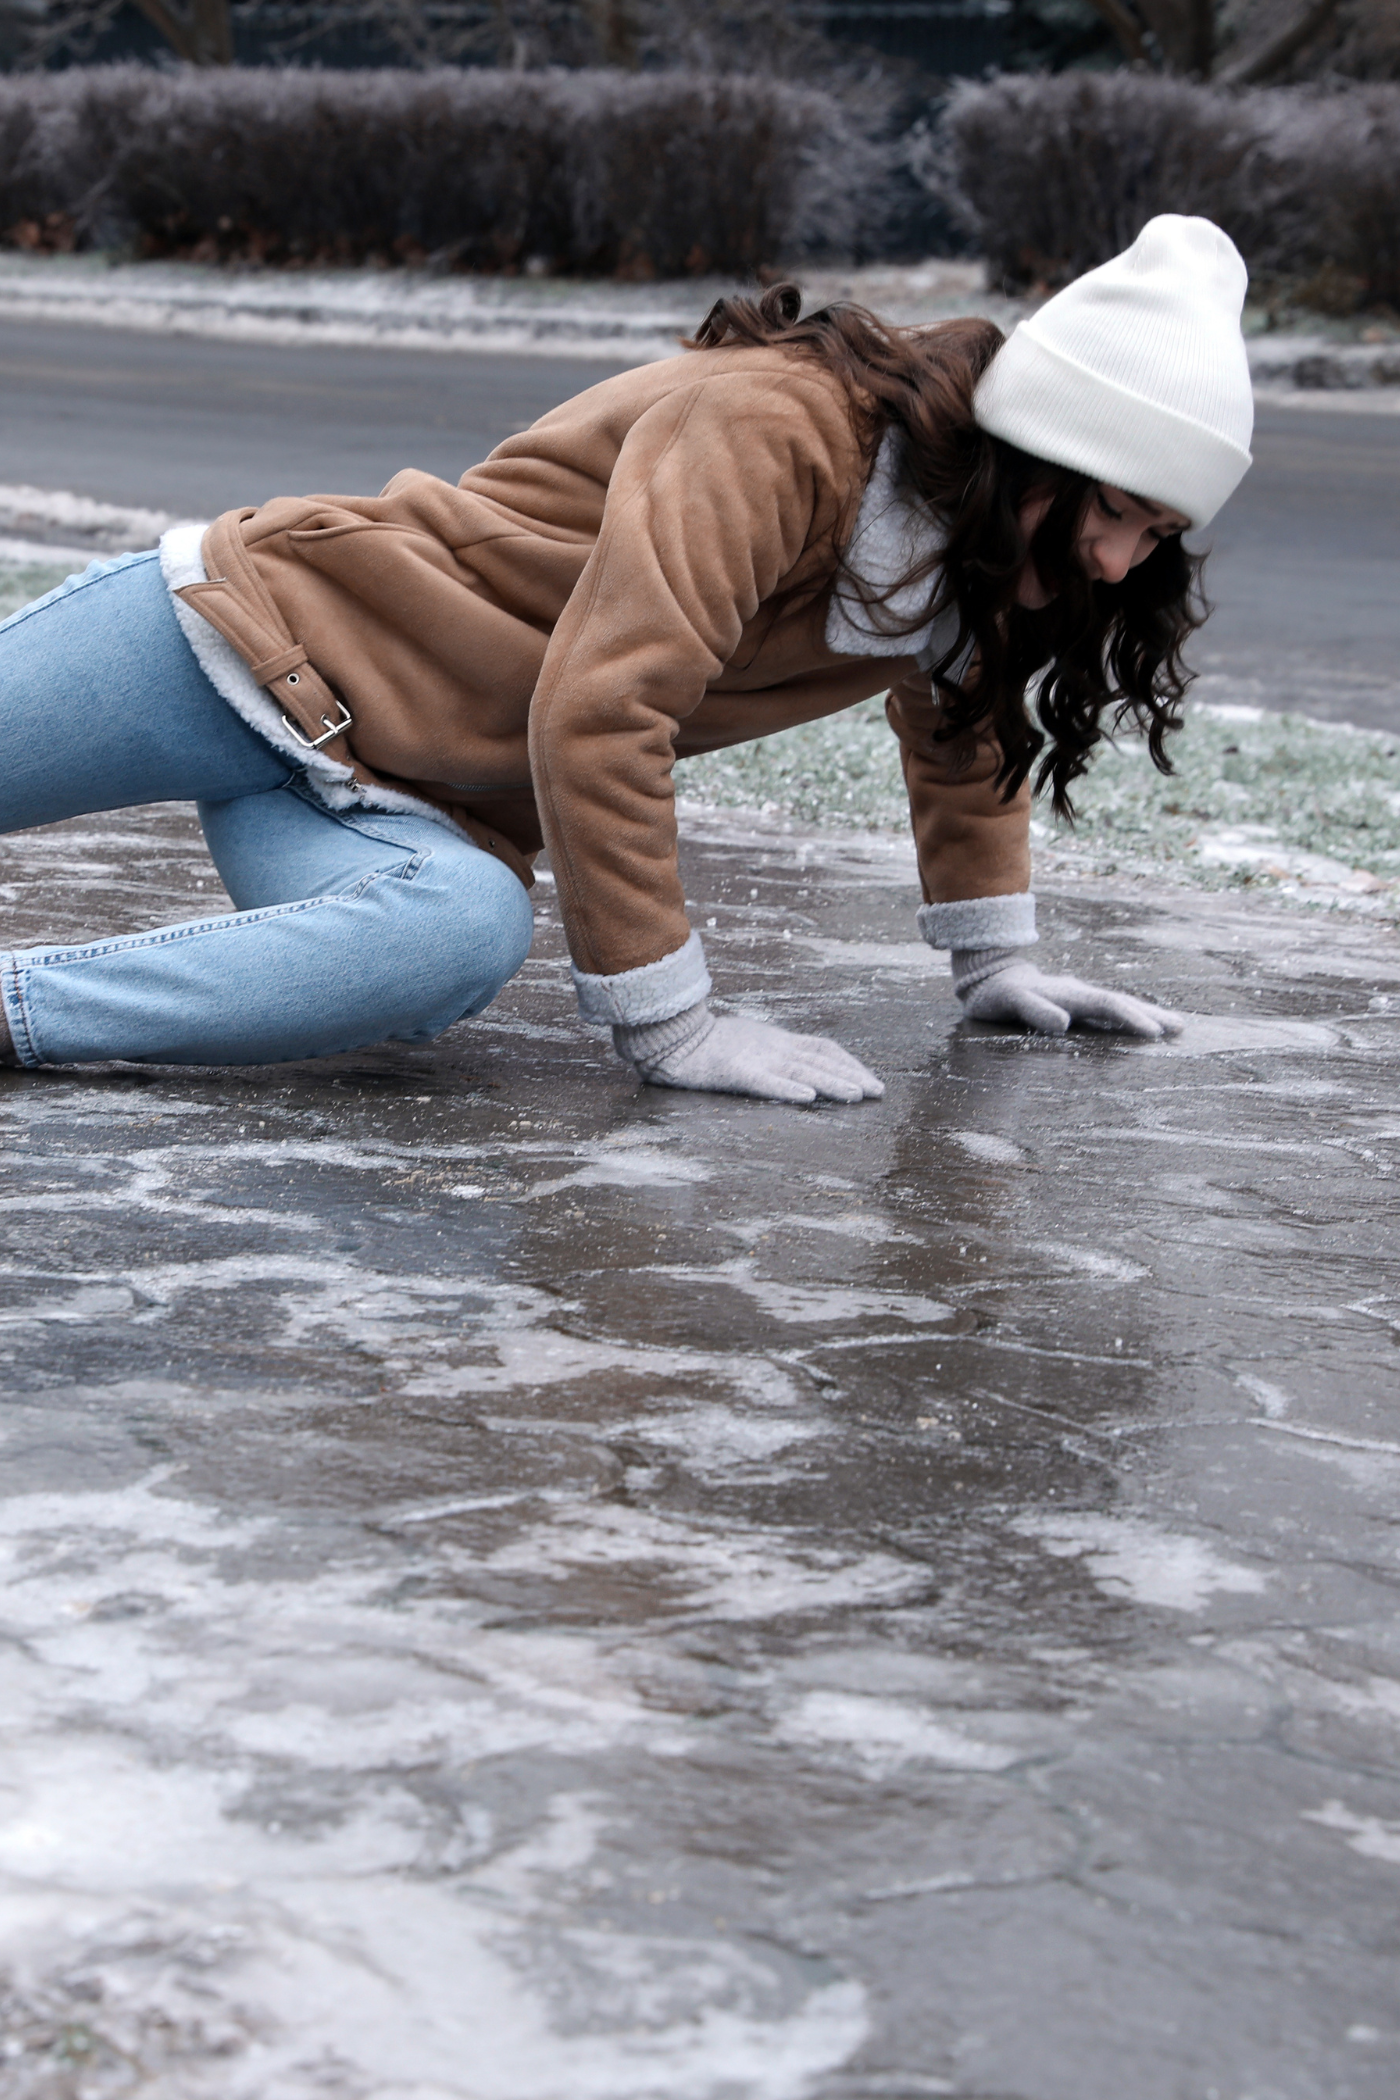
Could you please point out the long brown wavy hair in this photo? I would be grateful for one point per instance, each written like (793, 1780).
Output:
(1095, 648)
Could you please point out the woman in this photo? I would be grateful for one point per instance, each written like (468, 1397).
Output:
(385, 706)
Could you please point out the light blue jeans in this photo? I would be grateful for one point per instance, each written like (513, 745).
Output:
(351, 927)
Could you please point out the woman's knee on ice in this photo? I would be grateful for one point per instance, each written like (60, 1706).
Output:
(472, 939)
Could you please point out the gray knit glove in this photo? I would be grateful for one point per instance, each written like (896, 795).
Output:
(726, 1054)
(995, 984)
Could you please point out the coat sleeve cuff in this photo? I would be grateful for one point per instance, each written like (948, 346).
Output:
(981, 922)
(656, 992)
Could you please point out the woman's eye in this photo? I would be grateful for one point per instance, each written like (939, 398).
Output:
(1107, 508)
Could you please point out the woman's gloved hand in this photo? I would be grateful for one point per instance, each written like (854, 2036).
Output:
(726, 1054)
(997, 984)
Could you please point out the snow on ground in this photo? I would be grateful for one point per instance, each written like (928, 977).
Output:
(1305, 361)
(1271, 802)
(432, 310)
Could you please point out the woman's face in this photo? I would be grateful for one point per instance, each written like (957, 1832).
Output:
(1116, 533)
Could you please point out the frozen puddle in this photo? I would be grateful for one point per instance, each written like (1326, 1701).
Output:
(1205, 1034)
(1130, 1558)
(898, 956)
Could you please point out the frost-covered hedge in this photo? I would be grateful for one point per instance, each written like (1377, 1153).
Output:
(643, 174)
(1055, 174)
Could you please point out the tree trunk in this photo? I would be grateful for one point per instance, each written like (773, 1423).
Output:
(201, 33)
(1200, 43)
(1126, 27)
(1271, 57)
(616, 32)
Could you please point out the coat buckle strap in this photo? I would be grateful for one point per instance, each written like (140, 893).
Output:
(332, 729)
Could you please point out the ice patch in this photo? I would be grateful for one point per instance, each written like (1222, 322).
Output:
(138, 1510)
(899, 956)
(1368, 1835)
(1113, 1268)
(870, 1228)
(712, 1440)
(984, 1145)
(95, 1302)
(627, 1159)
(816, 1304)
(1127, 1556)
(712, 1572)
(1207, 1034)
(1272, 1399)
(29, 554)
(888, 1733)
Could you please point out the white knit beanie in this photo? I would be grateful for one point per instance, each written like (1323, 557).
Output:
(1136, 373)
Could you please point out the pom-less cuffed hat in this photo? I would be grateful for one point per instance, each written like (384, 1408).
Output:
(1136, 373)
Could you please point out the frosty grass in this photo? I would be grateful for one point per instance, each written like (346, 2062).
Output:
(1270, 801)
(19, 585)
(1273, 801)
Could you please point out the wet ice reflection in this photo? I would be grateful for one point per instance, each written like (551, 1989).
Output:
(520, 1586)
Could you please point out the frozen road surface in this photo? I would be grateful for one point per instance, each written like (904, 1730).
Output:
(520, 1587)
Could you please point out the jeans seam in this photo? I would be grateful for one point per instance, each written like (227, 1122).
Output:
(358, 821)
(78, 583)
(227, 922)
(26, 1050)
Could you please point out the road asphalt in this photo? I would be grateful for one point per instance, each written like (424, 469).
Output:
(520, 1586)
(1308, 616)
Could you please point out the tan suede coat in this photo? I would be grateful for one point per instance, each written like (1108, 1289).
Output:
(642, 575)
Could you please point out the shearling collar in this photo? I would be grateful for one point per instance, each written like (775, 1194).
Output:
(893, 533)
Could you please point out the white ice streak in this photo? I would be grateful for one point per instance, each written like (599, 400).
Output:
(902, 957)
(1368, 1835)
(526, 1355)
(887, 1733)
(713, 1571)
(1274, 1403)
(713, 1439)
(1271, 1399)
(1130, 1557)
(623, 1159)
(874, 1228)
(1109, 1268)
(189, 1179)
(153, 1686)
(987, 1146)
(91, 1302)
(811, 1304)
(1209, 1034)
(1259, 846)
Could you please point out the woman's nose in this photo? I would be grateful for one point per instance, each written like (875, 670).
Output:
(1111, 555)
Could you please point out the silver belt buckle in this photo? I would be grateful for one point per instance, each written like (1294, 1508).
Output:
(333, 729)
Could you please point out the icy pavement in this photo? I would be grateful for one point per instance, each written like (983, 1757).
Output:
(525, 1588)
